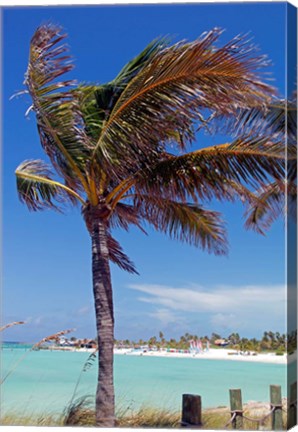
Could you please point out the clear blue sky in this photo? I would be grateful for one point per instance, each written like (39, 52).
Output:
(47, 256)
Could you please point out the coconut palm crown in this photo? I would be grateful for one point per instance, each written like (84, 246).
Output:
(120, 151)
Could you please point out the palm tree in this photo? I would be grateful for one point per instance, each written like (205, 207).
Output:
(119, 150)
(152, 341)
(162, 339)
(234, 338)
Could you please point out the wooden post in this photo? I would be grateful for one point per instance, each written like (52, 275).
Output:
(292, 417)
(276, 403)
(236, 408)
(191, 410)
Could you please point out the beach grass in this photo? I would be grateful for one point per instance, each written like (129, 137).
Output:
(81, 413)
(16, 419)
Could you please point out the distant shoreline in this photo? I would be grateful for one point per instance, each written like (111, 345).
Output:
(211, 354)
(214, 354)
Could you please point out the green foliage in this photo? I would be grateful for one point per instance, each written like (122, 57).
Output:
(273, 342)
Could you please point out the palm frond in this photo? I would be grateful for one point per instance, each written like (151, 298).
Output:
(59, 119)
(6, 326)
(136, 65)
(108, 94)
(125, 215)
(97, 101)
(93, 116)
(186, 222)
(174, 87)
(118, 257)
(214, 171)
(38, 190)
(271, 205)
(278, 118)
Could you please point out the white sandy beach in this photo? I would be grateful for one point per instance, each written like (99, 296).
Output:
(212, 354)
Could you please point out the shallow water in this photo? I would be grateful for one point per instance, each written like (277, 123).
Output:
(44, 381)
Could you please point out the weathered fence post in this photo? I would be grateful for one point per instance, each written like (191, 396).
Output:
(276, 405)
(191, 410)
(292, 417)
(236, 408)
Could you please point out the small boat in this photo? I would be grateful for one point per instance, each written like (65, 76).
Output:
(221, 342)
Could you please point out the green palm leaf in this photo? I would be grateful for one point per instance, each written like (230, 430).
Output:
(136, 65)
(38, 190)
(97, 101)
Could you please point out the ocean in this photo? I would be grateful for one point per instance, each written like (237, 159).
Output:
(43, 382)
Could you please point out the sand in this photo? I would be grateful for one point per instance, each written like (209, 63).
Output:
(212, 354)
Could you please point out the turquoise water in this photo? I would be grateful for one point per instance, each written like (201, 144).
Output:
(44, 381)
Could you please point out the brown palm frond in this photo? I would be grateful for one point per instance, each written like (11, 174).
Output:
(59, 119)
(186, 222)
(38, 190)
(179, 82)
(212, 171)
(271, 205)
(125, 215)
(54, 337)
(6, 326)
(278, 118)
(118, 257)
(235, 190)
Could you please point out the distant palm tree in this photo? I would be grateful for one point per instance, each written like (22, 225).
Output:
(119, 150)
(152, 341)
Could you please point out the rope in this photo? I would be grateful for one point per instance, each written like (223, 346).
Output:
(252, 419)
(262, 419)
(231, 419)
(259, 420)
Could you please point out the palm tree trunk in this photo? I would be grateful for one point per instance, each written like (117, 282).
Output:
(103, 300)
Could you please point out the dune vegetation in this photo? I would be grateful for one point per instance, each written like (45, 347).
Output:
(82, 413)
